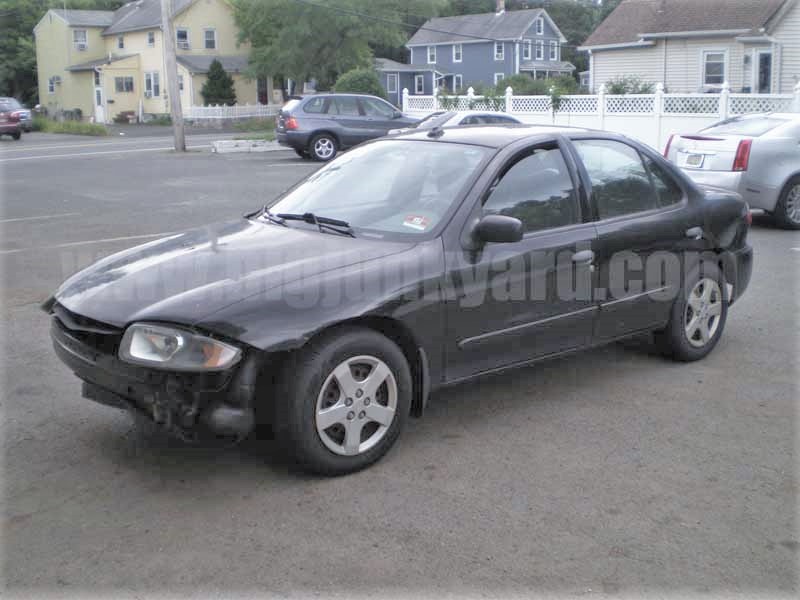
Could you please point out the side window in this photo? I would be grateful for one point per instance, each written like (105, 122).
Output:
(620, 185)
(315, 105)
(537, 190)
(669, 192)
(375, 108)
(347, 105)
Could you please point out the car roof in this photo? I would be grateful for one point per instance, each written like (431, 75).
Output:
(495, 136)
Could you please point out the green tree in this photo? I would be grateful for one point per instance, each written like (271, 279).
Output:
(361, 81)
(17, 46)
(218, 88)
(325, 38)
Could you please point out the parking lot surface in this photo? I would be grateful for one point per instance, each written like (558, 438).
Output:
(609, 472)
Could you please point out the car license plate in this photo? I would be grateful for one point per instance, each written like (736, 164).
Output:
(694, 160)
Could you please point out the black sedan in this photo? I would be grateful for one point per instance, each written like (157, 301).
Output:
(407, 264)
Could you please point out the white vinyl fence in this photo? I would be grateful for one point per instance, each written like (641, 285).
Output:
(650, 118)
(237, 111)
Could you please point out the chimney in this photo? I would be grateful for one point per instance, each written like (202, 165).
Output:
(501, 7)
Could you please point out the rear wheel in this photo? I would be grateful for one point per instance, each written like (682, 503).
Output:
(16, 135)
(787, 211)
(323, 147)
(344, 401)
(698, 316)
(301, 153)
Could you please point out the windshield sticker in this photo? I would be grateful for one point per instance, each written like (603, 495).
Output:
(416, 222)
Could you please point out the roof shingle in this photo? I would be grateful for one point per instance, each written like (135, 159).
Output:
(141, 14)
(86, 18)
(491, 26)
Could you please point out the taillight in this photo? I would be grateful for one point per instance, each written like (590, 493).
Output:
(742, 155)
(669, 143)
(748, 217)
(14, 116)
(291, 123)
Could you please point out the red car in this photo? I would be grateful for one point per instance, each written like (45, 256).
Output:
(11, 117)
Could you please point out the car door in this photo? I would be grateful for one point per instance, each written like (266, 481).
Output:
(351, 124)
(643, 229)
(513, 302)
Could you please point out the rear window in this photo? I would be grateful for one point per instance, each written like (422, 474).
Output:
(290, 105)
(751, 126)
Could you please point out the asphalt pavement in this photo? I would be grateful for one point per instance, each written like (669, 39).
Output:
(610, 472)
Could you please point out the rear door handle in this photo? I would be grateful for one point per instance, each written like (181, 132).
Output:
(583, 257)
(695, 233)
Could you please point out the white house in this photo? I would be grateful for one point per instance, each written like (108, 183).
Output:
(696, 45)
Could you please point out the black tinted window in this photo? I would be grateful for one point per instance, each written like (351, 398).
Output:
(347, 105)
(669, 192)
(620, 185)
(537, 190)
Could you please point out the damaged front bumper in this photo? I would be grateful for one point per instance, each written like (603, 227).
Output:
(185, 404)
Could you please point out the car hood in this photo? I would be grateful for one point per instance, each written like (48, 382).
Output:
(186, 277)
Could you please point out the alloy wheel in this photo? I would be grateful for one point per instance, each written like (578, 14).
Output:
(703, 311)
(324, 148)
(356, 405)
(792, 204)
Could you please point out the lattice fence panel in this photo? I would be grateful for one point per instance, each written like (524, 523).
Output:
(756, 103)
(578, 104)
(631, 104)
(691, 104)
(420, 103)
(530, 104)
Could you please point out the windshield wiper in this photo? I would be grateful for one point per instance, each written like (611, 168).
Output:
(322, 223)
(273, 218)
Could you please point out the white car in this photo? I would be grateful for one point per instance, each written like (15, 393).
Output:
(454, 118)
(757, 156)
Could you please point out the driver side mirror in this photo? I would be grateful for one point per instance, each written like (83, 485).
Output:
(397, 115)
(498, 229)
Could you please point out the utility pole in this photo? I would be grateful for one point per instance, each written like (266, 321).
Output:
(171, 65)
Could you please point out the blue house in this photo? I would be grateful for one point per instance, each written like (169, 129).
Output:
(453, 53)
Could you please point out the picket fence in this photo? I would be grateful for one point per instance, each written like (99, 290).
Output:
(237, 111)
(651, 118)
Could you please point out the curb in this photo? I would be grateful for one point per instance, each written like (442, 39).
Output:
(240, 146)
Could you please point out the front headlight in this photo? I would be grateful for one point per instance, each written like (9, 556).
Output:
(175, 349)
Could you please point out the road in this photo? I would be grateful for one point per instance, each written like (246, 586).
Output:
(609, 472)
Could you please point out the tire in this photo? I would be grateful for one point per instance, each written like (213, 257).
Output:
(16, 135)
(323, 147)
(787, 211)
(327, 404)
(302, 153)
(685, 337)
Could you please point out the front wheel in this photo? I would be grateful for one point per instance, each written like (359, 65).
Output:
(698, 316)
(323, 147)
(787, 211)
(345, 400)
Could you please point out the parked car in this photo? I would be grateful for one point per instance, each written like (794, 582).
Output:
(11, 112)
(319, 126)
(757, 156)
(408, 264)
(454, 118)
(26, 119)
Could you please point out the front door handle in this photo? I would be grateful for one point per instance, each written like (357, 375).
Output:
(695, 233)
(583, 257)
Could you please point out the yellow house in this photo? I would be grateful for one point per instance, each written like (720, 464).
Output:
(96, 65)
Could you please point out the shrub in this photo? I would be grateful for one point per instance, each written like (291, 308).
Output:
(218, 88)
(360, 81)
(160, 120)
(524, 85)
(629, 84)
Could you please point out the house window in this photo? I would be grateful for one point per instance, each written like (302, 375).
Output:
(123, 84)
(431, 55)
(499, 51)
(540, 26)
(527, 46)
(553, 50)
(458, 52)
(714, 67)
(97, 77)
(458, 83)
(210, 37)
(539, 50)
(151, 38)
(51, 85)
(180, 82)
(152, 85)
(419, 84)
(79, 39)
(182, 37)
(120, 42)
(498, 77)
(391, 83)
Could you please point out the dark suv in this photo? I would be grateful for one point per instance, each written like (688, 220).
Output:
(319, 126)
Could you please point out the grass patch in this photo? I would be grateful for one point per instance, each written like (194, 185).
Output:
(71, 127)
(255, 125)
(267, 135)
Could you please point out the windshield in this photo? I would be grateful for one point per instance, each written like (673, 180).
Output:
(752, 126)
(387, 187)
(9, 104)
